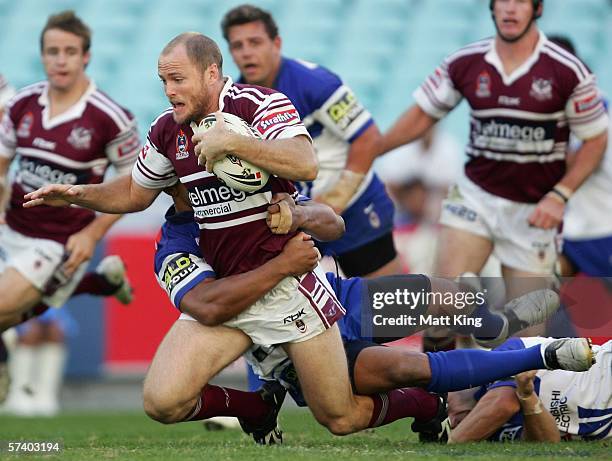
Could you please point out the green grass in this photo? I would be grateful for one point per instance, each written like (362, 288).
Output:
(99, 436)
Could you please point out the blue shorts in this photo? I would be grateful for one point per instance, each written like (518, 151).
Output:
(368, 219)
(591, 257)
(61, 317)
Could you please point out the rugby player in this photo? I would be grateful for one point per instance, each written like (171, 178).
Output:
(344, 135)
(235, 239)
(549, 405)
(66, 130)
(526, 95)
(191, 285)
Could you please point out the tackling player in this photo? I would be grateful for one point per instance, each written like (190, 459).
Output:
(547, 406)
(191, 285)
(344, 136)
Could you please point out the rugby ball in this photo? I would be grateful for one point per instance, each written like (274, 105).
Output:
(233, 171)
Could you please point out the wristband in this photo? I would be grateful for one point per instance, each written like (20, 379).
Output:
(564, 191)
(558, 196)
(537, 407)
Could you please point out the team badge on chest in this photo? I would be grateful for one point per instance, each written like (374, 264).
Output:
(80, 138)
(541, 89)
(483, 85)
(25, 125)
(182, 146)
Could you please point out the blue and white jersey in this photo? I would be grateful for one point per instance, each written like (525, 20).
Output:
(179, 265)
(581, 403)
(334, 118)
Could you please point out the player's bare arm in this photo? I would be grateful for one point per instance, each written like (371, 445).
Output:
(361, 155)
(411, 125)
(120, 195)
(495, 408)
(549, 212)
(315, 219)
(292, 158)
(81, 245)
(217, 301)
(538, 424)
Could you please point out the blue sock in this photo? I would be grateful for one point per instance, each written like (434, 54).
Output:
(253, 380)
(465, 368)
(491, 324)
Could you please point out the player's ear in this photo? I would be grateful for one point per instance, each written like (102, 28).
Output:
(278, 42)
(86, 58)
(212, 72)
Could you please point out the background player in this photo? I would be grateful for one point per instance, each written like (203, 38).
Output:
(63, 129)
(344, 136)
(525, 94)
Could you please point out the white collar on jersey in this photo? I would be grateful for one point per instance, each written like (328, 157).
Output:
(76, 111)
(228, 83)
(493, 58)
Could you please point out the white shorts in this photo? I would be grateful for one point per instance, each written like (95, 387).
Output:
(515, 243)
(37, 260)
(293, 311)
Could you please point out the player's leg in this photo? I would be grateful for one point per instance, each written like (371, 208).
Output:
(188, 357)
(323, 373)
(18, 295)
(461, 251)
(379, 368)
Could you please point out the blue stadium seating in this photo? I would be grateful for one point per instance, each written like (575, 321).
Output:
(383, 49)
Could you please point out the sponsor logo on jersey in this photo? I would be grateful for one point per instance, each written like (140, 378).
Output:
(80, 138)
(128, 146)
(177, 270)
(586, 104)
(510, 434)
(32, 175)
(495, 129)
(212, 195)
(541, 89)
(483, 85)
(44, 144)
(509, 101)
(345, 110)
(560, 410)
(145, 150)
(25, 125)
(182, 145)
(277, 118)
(293, 317)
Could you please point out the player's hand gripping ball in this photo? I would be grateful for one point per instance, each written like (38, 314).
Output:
(233, 171)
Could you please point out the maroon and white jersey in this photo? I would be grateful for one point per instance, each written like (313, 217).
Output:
(520, 123)
(74, 147)
(6, 91)
(234, 235)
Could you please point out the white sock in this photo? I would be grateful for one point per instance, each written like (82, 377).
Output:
(50, 363)
(21, 365)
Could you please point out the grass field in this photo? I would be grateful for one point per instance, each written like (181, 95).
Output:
(131, 436)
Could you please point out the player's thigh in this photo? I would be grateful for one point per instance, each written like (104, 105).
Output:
(18, 294)
(381, 369)
(188, 357)
(323, 373)
(461, 251)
